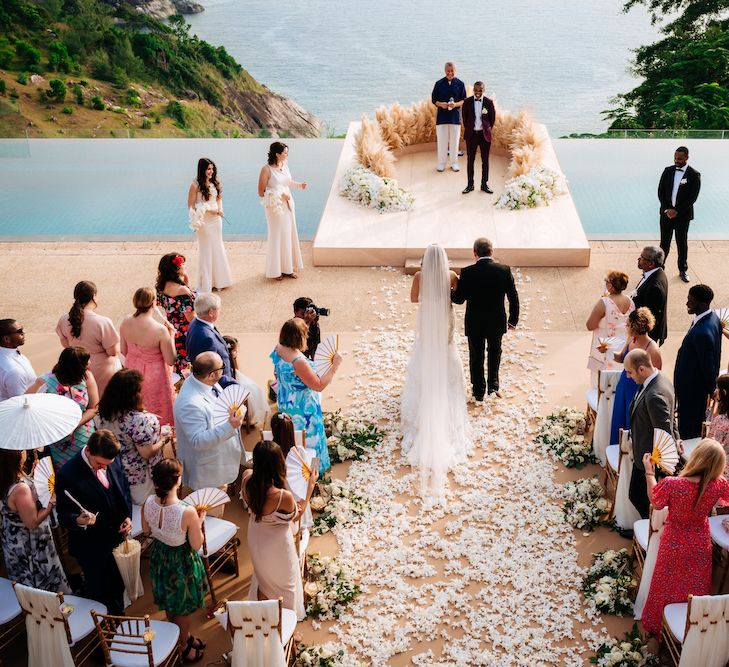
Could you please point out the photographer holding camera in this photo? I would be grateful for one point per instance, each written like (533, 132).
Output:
(305, 308)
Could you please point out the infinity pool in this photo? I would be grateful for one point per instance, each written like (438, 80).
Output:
(55, 189)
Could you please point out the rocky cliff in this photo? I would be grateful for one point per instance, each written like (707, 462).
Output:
(162, 9)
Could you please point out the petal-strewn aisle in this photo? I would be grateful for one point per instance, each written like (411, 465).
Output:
(491, 580)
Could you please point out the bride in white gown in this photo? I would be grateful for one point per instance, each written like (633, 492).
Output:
(433, 413)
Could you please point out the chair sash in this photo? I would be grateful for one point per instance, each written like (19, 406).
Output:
(625, 513)
(46, 628)
(256, 635)
(706, 642)
(657, 520)
(603, 421)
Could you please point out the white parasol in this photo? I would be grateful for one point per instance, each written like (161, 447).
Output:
(30, 421)
(128, 556)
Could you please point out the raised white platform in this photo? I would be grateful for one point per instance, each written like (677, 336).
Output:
(350, 235)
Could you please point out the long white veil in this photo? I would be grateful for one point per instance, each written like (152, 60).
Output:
(425, 409)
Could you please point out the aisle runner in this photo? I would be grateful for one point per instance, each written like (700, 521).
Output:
(495, 577)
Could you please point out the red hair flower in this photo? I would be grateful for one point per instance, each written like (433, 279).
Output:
(178, 261)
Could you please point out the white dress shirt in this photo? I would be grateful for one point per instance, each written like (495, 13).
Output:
(16, 373)
(477, 108)
(679, 174)
(643, 278)
(699, 316)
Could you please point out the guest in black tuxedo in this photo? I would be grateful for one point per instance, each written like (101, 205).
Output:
(678, 190)
(94, 477)
(652, 291)
(479, 116)
(483, 286)
(652, 407)
(697, 362)
(203, 335)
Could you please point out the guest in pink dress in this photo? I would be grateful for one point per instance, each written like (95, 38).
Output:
(149, 347)
(719, 426)
(82, 327)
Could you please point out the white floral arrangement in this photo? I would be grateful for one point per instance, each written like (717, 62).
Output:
(327, 655)
(350, 439)
(562, 435)
(364, 187)
(330, 587)
(631, 651)
(272, 200)
(609, 585)
(538, 187)
(337, 504)
(585, 504)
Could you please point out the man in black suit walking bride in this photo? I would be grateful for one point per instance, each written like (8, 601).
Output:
(483, 286)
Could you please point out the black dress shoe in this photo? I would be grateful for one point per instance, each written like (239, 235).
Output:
(627, 533)
(684, 277)
(467, 189)
(487, 189)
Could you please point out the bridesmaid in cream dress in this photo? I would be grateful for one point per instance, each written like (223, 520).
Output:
(283, 255)
(205, 193)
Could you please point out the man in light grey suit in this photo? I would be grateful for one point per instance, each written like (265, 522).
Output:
(652, 407)
(210, 454)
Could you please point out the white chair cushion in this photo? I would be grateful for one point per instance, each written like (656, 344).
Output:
(136, 520)
(9, 607)
(612, 453)
(217, 533)
(675, 615)
(718, 535)
(304, 542)
(288, 625)
(298, 437)
(592, 398)
(640, 530)
(166, 636)
(689, 446)
(80, 621)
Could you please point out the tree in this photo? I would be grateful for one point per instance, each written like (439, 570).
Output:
(686, 74)
(57, 93)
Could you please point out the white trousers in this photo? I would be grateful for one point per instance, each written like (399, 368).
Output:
(448, 137)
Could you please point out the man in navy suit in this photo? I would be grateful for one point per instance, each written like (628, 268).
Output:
(95, 478)
(203, 335)
(697, 363)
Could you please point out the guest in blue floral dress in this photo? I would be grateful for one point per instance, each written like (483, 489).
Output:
(299, 386)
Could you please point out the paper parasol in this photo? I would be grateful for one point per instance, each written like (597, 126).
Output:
(665, 451)
(723, 315)
(44, 480)
(206, 499)
(128, 556)
(298, 470)
(324, 355)
(36, 420)
(230, 402)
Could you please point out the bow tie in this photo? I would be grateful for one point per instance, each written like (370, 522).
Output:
(679, 168)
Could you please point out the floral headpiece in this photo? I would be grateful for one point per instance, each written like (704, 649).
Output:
(178, 261)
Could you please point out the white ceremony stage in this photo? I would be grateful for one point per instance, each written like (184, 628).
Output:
(350, 235)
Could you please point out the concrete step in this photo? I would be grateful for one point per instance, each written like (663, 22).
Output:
(413, 265)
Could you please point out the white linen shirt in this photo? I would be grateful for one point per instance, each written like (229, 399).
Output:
(16, 373)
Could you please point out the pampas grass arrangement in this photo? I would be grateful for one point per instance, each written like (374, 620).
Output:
(372, 151)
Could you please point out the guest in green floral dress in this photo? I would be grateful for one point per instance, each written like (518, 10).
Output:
(176, 569)
(299, 386)
(71, 378)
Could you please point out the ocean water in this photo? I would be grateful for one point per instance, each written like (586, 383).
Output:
(563, 59)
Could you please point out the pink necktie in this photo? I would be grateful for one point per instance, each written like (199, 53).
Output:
(101, 476)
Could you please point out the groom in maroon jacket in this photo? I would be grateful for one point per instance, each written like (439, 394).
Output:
(479, 116)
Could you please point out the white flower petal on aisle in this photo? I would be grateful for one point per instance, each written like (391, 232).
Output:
(495, 572)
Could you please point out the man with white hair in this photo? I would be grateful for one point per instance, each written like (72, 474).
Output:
(448, 96)
(203, 335)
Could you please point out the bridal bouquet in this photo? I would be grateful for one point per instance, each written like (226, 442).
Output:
(197, 213)
(350, 440)
(337, 504)
(330, 587)
(327, 655)
(366, 188)
(585, 505)
(536, 188)
(632, 651)
(609, 586)
(272, 201)
(562, 434)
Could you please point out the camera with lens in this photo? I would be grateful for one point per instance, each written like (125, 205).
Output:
(324, 312)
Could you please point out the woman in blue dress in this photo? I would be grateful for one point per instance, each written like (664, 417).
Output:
(299, 386)
(639, 323)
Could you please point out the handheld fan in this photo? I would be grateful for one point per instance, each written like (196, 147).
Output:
(299, 469)
(44, 480)
(723, 315)
(324, 355)
(230, 402)
(665, 452)
(206, 499)
(604, 344)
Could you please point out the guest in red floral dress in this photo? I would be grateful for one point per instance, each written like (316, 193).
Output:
(683, 566)
(177, 300)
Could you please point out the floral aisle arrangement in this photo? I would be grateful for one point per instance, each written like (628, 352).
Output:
(350, 439)
(327, 655)
(609, 585)
(337, 505)
(366, 188)
(538, 187)
(330, 587)
(631, 651)
(562, 434)
(585, 505)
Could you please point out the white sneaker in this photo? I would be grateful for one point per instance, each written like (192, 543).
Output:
(455, 167)
(441, 169)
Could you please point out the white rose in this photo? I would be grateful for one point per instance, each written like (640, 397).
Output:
(311, 588)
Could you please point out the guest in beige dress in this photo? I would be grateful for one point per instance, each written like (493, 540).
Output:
(82, 327)
(272, 508)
